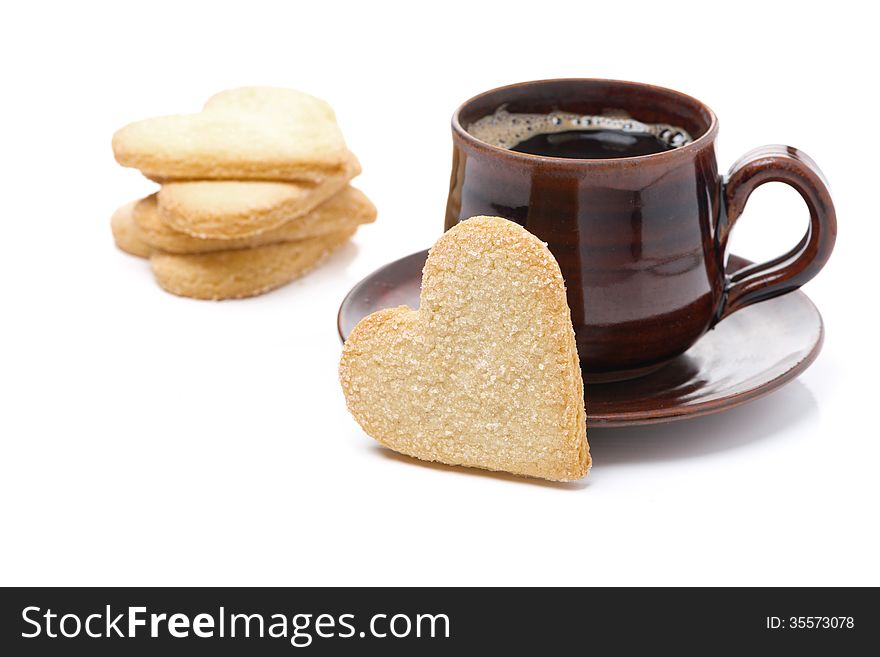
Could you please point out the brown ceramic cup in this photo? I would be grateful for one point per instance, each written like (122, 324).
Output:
(641, 241)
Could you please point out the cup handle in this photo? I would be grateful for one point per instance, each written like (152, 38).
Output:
(788, 272)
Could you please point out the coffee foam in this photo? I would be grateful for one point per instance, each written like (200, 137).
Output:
(505, 129)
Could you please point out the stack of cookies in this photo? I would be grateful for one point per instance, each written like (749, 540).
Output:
(255, 192)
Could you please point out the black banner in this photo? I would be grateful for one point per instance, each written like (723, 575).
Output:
(278, 621)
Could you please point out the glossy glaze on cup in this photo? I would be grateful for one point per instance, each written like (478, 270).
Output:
(641, 241)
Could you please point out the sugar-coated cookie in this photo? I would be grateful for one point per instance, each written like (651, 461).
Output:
(344, 211)
(252, 133)
(485, 373)
(126, 234)
(224, 209)
(244, 272)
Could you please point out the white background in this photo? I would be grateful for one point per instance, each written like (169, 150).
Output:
(147, 439)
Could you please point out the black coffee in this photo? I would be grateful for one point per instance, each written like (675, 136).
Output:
(563, 134)
(593, 145)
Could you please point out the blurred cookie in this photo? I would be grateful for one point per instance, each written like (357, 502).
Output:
(244, 272)
(485, 373)
(126, 233)
(344, 211)
(252, 133)
(224, 209)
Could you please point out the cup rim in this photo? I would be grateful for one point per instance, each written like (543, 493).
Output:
(703, 140)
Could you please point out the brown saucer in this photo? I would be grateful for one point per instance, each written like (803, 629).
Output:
(749, 354)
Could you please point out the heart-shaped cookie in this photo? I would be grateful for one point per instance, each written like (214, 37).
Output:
(243, 272)
(233, 209)
(252, 133)
(485, 373)
(348, 209)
